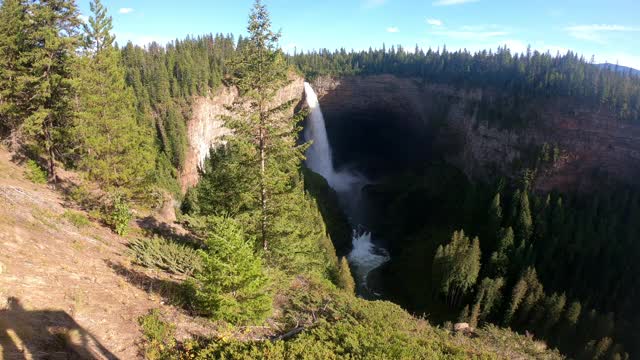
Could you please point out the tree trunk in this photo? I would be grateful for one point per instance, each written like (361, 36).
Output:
(51, 154)
(263, 186)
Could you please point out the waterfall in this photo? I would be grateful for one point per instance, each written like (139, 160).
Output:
(319, 157)
(365, 255)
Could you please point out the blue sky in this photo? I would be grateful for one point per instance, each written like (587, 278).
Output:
(609, 29)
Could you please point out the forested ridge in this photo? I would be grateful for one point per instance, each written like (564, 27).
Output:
(508, 255)
(519, 77)
(260, 226)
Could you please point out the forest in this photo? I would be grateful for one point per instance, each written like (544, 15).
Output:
(266, 234)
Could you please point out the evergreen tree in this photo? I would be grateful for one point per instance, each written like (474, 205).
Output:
(345, 279)
(524, 296)
(232, 285)
(259, 72)
(501, 259)
(456, 267)
(524, 226)
(489, 296)
(52, 42)
(553, 309)
(14, 63)
(495, 216)
(113, 149)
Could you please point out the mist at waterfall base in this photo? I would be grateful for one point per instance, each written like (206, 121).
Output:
(365, 255)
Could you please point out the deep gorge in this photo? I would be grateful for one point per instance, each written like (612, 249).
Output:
(447, 157)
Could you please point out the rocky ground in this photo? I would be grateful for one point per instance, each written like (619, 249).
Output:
(70, 291)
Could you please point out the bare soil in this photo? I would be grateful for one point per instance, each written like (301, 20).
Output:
(71, 292)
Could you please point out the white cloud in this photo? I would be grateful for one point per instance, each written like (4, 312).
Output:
(452, 2)
(471, 35)
(126, 10)
(373, 3)
(393, 29)
(596, 32)
(83, 18)
(434, 22)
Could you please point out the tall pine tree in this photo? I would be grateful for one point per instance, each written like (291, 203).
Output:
(113, 148)
(51, 44)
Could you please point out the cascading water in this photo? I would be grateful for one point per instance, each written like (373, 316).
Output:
(365, 255)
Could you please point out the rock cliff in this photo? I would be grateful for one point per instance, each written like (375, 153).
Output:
(206, 128)
(441, 120)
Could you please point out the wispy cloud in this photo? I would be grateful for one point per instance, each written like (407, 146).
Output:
(597, 32)
(126, 10)
(452, 2)
(368, 4)
(393, 29)
(434, 22)
(473, 33)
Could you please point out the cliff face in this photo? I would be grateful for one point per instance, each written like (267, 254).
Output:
(206, 128)
(441, 120)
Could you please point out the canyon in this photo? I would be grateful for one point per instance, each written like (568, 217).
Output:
(384, 124)
(407, 122)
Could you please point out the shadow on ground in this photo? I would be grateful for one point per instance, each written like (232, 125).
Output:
(45, 334)
(171, 291)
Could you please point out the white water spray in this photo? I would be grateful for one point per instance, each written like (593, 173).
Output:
(365, 255)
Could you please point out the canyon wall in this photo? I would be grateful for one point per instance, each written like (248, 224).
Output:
(592, 142)
(206, 129)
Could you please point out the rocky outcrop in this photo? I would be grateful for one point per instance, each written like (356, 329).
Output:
(444, 119)
(206, 128)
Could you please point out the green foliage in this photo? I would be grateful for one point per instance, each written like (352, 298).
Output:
(160, 253)
(334, 217)
(500, 261)
(456, 266)
(488, 297)
(112, 148)
(345, 279)
(13, 48)
(47, 46)
(76, 218)
(159, 336)
(518, 79)
(495, 215)
(331, 324)
(231, 284)
(117, 214)
(35, 173)
(265, 131)
(164, 81)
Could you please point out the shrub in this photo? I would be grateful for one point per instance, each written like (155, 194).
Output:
(166, 255)
(78, 219)
(35, 173)
(344, 278)
(158, 335)
(118, 215)
(231, 285)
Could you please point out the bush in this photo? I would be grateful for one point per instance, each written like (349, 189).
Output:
(344, 278)
(118, 215)
(158, 335)
(78, 219)
(232, 285)
(35, 173)
(166, 255)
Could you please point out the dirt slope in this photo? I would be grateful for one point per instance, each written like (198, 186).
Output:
(68, 292)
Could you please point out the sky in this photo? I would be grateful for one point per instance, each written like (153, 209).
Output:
(606, 29)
